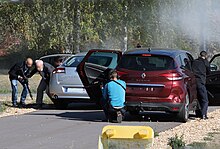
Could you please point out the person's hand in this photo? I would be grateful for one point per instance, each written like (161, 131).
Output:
(20, 78)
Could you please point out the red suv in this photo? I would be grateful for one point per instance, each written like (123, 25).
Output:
(157, 79)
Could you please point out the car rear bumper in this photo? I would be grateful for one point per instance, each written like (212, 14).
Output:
(61, 92)
(161, 106)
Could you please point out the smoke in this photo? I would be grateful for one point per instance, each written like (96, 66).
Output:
(196, 20)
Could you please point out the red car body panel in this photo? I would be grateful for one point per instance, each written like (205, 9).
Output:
(163, 90)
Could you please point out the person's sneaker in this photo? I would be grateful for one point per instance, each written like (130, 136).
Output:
(204, 117)
(15, 105)
(22, 105)
(119, 117)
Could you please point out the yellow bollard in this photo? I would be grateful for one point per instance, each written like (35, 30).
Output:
(126, 137)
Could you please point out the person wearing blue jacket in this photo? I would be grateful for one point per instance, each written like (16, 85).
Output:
(113, 94)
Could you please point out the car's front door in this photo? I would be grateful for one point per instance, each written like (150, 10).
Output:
(213, 81)
(94, 69)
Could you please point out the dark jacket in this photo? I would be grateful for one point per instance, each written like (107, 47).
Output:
(201, 69)
(19, 69)
(45, 74)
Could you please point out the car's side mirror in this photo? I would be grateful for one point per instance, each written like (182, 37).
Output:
(213, 67)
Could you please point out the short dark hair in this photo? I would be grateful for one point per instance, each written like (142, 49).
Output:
(113, 74)
(203, 53)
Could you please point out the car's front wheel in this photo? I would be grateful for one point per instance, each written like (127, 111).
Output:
(183, 115)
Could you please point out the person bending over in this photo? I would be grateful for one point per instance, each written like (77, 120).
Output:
(19, 73)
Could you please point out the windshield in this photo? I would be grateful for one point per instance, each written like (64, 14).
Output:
(73, 61)
(146, 62)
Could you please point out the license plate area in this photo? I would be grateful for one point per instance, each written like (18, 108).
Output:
(74, 90)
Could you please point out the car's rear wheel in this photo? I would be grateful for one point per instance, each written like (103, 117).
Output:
(59, 104)
(183, 115)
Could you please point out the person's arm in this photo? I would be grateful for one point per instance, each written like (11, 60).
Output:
(208, 70)
(13, 70)
(32, 73)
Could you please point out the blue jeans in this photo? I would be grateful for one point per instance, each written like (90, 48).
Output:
(14, 87)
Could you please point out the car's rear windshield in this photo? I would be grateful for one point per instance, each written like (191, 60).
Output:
(146, 62)
(73, 61)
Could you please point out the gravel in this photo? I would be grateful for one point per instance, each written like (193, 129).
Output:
(192, 131)
(10, 111)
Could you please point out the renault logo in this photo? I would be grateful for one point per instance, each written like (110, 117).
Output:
(143, 75)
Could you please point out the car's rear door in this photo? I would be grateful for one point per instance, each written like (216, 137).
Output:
(94, 68)
(213, 81)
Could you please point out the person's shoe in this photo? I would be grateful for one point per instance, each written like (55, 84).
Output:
(15, 105)
(22, 105)
(119, 117)
(204, 117)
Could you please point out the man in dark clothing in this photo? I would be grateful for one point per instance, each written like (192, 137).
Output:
(45, 73)
(19, 72)
(201, 68)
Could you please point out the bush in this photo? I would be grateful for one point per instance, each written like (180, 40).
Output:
(176, 142)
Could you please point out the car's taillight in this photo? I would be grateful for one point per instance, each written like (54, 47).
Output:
(173, 76)
(59, 70)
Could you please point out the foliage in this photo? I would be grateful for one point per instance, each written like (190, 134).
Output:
(50, 26)
(176, 142)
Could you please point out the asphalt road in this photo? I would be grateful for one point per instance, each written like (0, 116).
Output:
(75, 128)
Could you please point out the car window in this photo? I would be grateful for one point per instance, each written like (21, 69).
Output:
(215, 64)
(186, 63)
(73, 61)
(104, 59)
(54, 60)
(147, 62)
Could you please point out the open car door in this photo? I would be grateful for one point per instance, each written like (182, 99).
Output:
(94, 68)
(213, 81)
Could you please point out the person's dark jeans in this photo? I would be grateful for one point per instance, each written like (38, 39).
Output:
(110, 112)
(202, 98)
(40, 91)
(14, 86)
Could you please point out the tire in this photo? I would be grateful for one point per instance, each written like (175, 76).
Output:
(134, 112)
(183, 115)
(61, 105)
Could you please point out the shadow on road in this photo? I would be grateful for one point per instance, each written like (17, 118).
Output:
(91, 112)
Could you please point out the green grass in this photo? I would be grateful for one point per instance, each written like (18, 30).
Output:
(47, 100)
(3, 107)
(156, 134)
(5, 86)
(176, 142)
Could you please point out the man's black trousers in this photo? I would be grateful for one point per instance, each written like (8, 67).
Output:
(202, 98)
